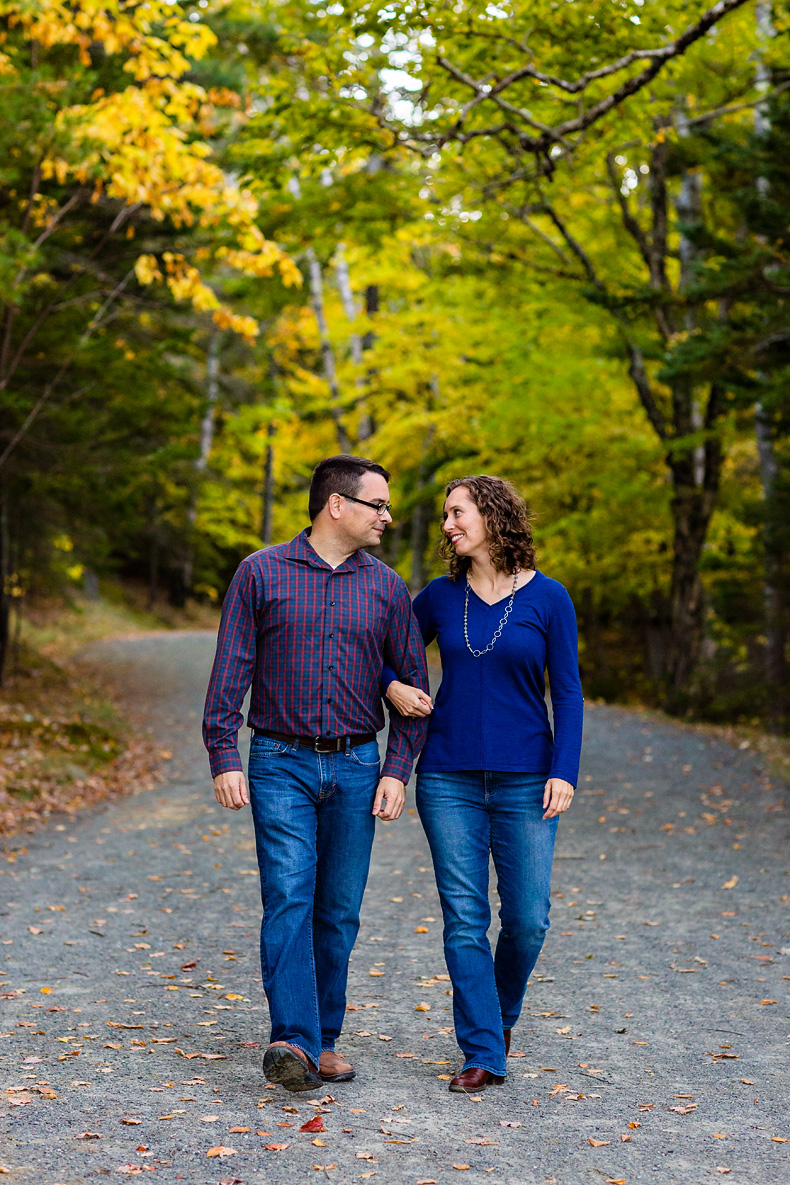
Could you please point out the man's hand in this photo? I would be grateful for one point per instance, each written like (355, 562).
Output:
(557, 797)
(231, 790)
(390, 799)
(409, 701)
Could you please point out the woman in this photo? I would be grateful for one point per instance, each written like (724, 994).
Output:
(491, 779)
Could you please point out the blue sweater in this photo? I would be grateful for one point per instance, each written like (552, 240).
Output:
(490, 712)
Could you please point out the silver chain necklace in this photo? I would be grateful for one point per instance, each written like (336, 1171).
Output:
(500, 627)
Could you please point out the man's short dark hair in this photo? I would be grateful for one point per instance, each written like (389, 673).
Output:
(339, 475)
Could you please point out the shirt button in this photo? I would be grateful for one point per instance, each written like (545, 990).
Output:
(331, 602)
(331, 635)
(329, 702)
(329, 734)
(330, 667)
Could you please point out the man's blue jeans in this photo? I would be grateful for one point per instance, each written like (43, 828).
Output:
(314, 833)
(467, 816)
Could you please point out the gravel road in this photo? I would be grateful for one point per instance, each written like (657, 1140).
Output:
(653, 1047)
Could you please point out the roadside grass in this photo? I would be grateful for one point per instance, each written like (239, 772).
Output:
(64, 742)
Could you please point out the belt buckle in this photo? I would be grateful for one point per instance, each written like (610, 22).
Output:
(316, 743)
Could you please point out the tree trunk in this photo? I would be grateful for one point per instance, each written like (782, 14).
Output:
(327, 353)
(422, 516)
(773, 589)
(201, 461)
(268, 490)
(692, 508)
(774, 562)
(5, 573)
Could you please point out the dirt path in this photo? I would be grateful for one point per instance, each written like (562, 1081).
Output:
(133, 1007)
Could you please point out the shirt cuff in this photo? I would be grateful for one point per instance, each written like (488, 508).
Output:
(397, 767)
(566, 775)
(225, 761)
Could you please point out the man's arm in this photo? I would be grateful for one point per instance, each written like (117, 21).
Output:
(231, 675)
(404, 651)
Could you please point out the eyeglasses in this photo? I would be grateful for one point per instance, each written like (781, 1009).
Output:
(381, 508)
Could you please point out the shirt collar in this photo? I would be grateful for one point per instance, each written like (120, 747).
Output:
(299, 549)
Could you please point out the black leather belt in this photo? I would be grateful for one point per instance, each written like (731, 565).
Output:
(318, 744)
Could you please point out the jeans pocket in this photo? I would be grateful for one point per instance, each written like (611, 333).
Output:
(365, 755)
(268, 747)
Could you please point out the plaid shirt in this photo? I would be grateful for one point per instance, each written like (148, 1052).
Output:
(312, 640)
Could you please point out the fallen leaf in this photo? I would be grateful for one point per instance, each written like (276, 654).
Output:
(325, 1167)
(769, 1001)
(615, 1181)
(731, 883)
(129, 1168)
(634, 1126)
(237, 1130)
(366, 1156)
(778, 1139)
(597, 1143)
(88, 1136)
(35, 930)
(313, 1125)
(422, 1007)
(418, 930)
(479, 1140)
(719, 1136)
(625, 1139)
(209, 1118)
(461, 1167)
(131, 1122)
(721, 1169)
(510, 1123)
(221, 1151)
(275, 1147)
(748, 1081)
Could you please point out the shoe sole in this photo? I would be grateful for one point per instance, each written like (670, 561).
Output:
(347, 1077)
(282, 1066)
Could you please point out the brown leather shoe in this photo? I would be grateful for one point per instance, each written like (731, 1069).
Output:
(473, 1080)
(289, 1066)
(333, 1067)
(506, 1033)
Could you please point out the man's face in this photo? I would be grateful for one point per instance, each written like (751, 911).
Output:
(363, 526)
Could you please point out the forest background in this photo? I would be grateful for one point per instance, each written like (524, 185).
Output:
(545, 240)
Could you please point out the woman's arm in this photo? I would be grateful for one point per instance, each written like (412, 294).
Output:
(567, 702)
(408, 700)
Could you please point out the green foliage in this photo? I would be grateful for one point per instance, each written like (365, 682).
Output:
(551, 241)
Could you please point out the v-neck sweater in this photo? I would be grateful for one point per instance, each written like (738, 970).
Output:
(490, 711)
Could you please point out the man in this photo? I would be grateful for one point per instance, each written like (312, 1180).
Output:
(310, 624)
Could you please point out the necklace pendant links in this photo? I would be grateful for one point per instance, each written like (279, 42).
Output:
(500, 627)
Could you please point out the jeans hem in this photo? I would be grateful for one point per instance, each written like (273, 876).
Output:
(481, 1066)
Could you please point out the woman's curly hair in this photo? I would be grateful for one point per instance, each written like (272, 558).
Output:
(507, 522)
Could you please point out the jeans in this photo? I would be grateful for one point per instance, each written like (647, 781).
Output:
(314, 833)
(467, 816)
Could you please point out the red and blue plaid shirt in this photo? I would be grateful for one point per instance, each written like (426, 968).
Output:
(312, 640)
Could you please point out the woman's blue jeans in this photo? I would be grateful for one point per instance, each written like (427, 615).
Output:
(313, 832)
(468, 816)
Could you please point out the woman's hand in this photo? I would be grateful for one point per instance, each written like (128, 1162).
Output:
(409, 701)
(557, 797)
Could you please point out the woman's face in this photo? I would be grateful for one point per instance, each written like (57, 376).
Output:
(464, 525)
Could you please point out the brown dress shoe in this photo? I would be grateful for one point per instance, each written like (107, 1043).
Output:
(290, 1067)
(506, 1034)
(473, 1080)
(333, 1067)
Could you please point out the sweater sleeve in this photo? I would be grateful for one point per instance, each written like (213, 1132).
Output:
(567, 702)
(422, 611)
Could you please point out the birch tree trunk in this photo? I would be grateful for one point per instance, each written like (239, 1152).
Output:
(774, 561)
(364, 430)
(327, 353)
